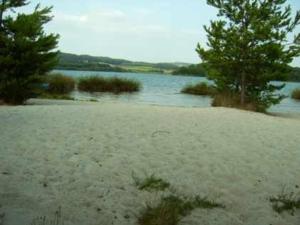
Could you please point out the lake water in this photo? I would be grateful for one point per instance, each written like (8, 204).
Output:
(165, 90)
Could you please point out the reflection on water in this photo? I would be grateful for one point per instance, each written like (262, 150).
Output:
(165, 90)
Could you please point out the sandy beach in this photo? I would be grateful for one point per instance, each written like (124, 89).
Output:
(82, 157)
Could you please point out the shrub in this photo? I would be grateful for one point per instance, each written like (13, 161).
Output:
(296, 94)
(199, 89)
(60, 84)
(114, 85)
(172, 209)
(233, 101)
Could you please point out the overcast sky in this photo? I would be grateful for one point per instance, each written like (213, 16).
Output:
(140, 30)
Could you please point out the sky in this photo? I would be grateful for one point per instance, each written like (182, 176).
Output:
(138, 30)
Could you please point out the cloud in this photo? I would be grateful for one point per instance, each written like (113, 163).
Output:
(106, 21)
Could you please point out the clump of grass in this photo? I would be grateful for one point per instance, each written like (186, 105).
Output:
(233, 101)
(114, 84)
(296, 94)
(43, 220)
(46, 95)
(172, 209)
(285, 202)
(199, 89)
(59, 84)
(151, 183)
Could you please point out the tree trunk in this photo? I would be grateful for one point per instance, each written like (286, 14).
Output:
(243, 88)
(1, 13)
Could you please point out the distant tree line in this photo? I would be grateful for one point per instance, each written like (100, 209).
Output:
(199, 70)
(90, 67)
(70, 61)
(195, 70)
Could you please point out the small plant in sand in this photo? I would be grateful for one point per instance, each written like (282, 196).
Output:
(171, 209)
(296, 94)
(112, 84)
(151, 183)
(56, 220)
(285, 202)
(199, 89)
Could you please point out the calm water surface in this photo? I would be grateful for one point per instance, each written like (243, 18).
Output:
(165, 90)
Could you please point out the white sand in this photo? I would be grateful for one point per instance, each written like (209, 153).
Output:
(86, 154)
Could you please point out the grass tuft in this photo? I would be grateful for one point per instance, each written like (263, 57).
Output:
(199, 89)
(151, 183)
(59, 84)
(115, 85)
(56, 220)
(172, 209)
(296, 94)
(285, 202)
(55, 96)
(233, 101)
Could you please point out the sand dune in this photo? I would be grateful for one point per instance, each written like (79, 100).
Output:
(82, 156)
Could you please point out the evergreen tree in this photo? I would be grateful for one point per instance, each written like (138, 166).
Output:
(26, 51)
(248, 47)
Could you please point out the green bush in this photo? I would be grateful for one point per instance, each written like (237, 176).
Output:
(199, 89)
(114, 85)
(60, 84)
(296, 94)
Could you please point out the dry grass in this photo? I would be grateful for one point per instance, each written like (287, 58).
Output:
(233, 101)
(114, 85)
(56, 220)
(296, 94)
(199, 89)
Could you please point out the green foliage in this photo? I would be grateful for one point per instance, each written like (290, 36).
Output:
(172, 209)
(199, 89)
(296, 94)
(114, 85)
(60, 84)
(25, 50)
(197, 70)
(285, 202)
(151, 183)
(248, 47)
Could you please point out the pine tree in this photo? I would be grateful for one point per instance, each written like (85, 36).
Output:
(26, 51)
(248, 47)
